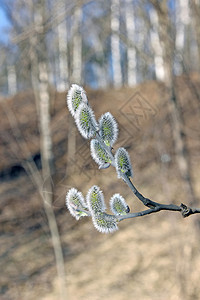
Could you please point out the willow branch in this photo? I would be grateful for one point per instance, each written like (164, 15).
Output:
(155, 206)
(103, 137)
(152, 205)
(185, 211)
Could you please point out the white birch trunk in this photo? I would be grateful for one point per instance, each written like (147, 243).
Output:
(131, 52)
(100, 69)
(63, 80)
(76, 77)
(157, 47)
(33, 41)
(182, 21)
(77, 47)
(40, 75)
(195, 20)
(46, 141)
(115, 43)
(12, 80)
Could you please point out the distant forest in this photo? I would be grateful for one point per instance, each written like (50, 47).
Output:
(97, 43)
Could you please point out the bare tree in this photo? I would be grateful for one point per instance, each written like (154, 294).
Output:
(180, 145)
(34, 35)
(46, 141)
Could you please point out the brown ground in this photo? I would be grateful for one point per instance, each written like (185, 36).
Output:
(156, 257)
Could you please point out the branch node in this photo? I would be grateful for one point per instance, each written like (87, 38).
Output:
(186, 211)
(147, 202)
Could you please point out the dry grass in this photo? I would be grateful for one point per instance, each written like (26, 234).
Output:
(151, 258)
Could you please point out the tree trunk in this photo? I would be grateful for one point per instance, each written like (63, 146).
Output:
(156, 45)
(63, 80)
(182, 21)
(115, 44)
(195, 7)
(101, 65)
(12, 80)
(131, 52)
(77, 47)
(34, 69)
(43, 96)
(76, 77)
(46, 141)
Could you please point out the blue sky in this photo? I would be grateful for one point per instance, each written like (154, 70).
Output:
(4, 26)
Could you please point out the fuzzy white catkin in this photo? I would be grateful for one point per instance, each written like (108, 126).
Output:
(95, 200)
(76, 95)
(108, 129)
(118, 205)
(123, 163)
(98, 153)
(74, 201)
(104, 223)
(85, 121)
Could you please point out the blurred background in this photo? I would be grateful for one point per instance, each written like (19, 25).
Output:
(140, 60)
